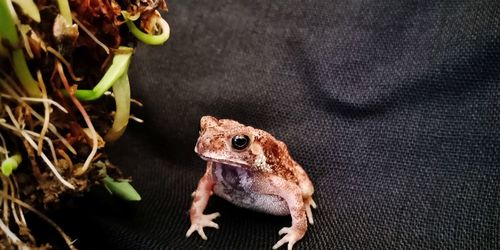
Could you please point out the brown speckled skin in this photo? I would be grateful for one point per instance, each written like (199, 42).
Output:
(265, 173)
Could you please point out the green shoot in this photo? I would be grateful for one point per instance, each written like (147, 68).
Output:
(10, 164)
(121, 90)
(23, 73)
(115, 71)
(29, 8)
(65, 11)
(122, 189)
(8, 19)
(148, 38)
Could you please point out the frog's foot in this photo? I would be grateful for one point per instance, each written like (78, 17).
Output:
(308, 203)
(201, 221)
(292, 235)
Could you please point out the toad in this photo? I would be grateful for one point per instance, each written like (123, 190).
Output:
(251, 169)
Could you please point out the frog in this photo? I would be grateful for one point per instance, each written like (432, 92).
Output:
(251, 169)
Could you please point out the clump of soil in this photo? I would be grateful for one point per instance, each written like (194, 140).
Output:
(64, 95)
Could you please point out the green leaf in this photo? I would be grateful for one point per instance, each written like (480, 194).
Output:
(122, 189)
(10, 164)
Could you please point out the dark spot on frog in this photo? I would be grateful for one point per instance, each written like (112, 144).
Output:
(272, 152)
(231, 178)
(234, 186)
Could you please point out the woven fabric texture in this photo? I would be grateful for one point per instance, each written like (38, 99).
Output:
(391, 107)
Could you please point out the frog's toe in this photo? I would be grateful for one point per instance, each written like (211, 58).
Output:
(198, 229)
(313, 204)
(291, 236)
(284, 230)
(308, 203)
(201, 221)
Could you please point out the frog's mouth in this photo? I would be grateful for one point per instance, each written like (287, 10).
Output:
(224, 163)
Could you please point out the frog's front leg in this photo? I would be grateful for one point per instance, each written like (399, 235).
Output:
(200, 201)
(292, 194)
(307, 189)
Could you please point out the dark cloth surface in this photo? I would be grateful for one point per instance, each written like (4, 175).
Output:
(391, 107)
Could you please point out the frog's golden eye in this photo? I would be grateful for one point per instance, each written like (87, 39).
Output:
(240, 141)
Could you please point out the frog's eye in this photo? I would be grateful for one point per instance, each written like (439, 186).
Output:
(240, 141)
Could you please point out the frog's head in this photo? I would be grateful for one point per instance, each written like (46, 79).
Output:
(232, 143)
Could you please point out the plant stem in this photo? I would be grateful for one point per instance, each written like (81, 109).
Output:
(121, 90)
(23, 73)
(65, 11)
(115, 71)
(29, 8)
(8, 19)
(148, 38)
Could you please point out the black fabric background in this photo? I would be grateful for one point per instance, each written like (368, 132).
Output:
(391, 107)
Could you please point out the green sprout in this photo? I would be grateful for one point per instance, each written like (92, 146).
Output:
(116, 77)
(122, 189)
(8, 19)
(29, 8)
(118, 67)
(145, 37)
(121, 90)
(65, 11)
(23, 73)
(10, 164)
